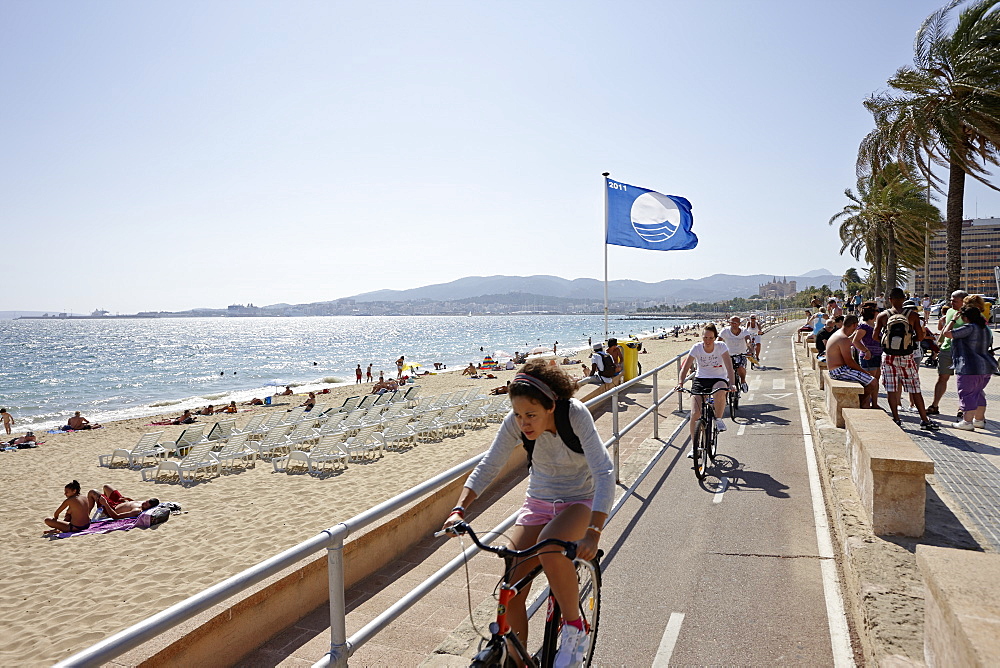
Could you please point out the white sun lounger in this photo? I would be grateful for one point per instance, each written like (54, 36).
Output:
(236, 448)
(329, 450)
(199, 458)
(148, 447)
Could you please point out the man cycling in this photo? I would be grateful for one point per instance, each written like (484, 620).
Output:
(754, 330)
(736, 339)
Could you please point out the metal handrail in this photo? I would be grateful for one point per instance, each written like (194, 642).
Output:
(333, 540)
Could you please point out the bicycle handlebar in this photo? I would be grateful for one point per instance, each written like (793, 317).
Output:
(569, 547)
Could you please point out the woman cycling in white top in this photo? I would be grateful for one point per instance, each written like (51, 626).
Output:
(714, 367)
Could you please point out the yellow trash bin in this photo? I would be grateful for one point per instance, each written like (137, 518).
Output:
(630, 359)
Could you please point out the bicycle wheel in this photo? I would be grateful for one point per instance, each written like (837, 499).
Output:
(712, 442)
(734, 404)
(700, 444)
(588, 578)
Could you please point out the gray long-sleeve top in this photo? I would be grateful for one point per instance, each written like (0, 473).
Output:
(557, 473)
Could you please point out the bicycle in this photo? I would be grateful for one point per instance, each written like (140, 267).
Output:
(733, 398)
(705, 442)
(496, 653)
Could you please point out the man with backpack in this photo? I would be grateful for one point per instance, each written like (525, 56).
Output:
(602, 372)
(900, 333)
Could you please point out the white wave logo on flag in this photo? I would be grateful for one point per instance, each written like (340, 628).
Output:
(655, 217)
(643, 218)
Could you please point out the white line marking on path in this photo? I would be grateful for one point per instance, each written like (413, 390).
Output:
(723, 486)
(743, 428)
(778, 384)
(778, 396)
(840, 638)
(666, 648)
(755, 382)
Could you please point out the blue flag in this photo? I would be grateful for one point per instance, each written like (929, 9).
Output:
(642, 218)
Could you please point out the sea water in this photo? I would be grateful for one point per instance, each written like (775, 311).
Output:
(112, 369)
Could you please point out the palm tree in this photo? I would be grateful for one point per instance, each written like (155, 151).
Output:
(886, 221)
(945, 110)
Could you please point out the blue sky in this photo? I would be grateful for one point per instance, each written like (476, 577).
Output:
(185, 154)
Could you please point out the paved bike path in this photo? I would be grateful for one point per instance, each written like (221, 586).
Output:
(734, 577)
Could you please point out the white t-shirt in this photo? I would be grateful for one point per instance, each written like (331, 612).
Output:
(710, 365)
(736, 343)
(926, 303)
(606, 375)
(753, 332)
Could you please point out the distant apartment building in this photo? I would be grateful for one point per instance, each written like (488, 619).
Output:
(777, 289)
(980, 254)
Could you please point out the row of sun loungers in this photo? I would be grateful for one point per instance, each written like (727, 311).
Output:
(332, 436)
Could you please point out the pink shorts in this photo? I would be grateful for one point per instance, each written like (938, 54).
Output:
(536, 512)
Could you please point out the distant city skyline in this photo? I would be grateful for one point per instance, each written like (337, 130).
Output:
(164, 156)
(584, 296)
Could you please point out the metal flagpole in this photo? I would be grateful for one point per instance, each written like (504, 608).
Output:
(606, 175)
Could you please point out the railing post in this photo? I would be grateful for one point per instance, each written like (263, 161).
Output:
(680, 395)
(338, 607)
(614, 432)
(656, 405)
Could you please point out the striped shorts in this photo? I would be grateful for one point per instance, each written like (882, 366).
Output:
(900, 373)
(847, 373)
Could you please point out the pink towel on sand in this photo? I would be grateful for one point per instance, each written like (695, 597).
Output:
(103, 526)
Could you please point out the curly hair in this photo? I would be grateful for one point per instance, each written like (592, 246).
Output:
(557, 380)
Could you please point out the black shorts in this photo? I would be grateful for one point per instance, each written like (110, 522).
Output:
(708, 385)
(739, 360)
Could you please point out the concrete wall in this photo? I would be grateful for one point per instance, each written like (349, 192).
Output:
(246, 624)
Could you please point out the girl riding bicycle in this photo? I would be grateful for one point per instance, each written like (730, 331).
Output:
(714, 367)
(569, 492)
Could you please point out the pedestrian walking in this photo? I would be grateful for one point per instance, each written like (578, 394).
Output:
(974, 366)
(8, 420)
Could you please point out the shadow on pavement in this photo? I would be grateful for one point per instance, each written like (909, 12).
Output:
(741, 479)
(941, 529)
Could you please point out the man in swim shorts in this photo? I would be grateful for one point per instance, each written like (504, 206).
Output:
(839, 361)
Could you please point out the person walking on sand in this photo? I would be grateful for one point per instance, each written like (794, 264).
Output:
(357, 375)
(399, 367)
(8, 421)
(368, 376)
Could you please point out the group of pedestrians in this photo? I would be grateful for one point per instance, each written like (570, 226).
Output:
(886, 345)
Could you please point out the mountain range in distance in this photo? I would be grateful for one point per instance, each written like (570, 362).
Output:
(710, 288)
(507, 293)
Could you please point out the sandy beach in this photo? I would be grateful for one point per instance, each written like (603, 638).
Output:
(61, 596)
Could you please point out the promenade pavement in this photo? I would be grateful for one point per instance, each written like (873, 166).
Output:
(966, 464)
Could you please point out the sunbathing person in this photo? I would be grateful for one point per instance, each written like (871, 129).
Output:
(287, 393)
(78, 423)
(207, 410)
(254, 402)
(77, 509)
(186, 418)
(310, 402)
(24, 441)
(231, 408)
(123, 509)
(503, 389)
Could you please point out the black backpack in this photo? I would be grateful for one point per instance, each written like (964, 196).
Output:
(563, 428)
(608, 362)
(897, 336)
